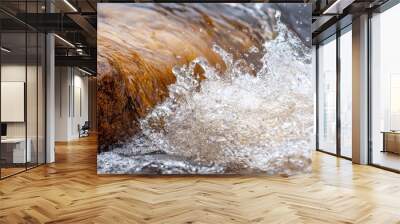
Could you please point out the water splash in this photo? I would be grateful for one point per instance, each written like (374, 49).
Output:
(230, 122)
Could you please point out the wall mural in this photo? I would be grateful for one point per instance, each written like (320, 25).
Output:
(204, 88)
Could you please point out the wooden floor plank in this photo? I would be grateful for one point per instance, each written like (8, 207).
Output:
(70, 191)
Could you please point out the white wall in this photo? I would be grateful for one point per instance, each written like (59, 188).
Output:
(81, 83)
(16, 72)
(33, 127)
(70, 84)
(62, 82)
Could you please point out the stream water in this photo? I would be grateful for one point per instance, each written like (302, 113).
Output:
(246, 119)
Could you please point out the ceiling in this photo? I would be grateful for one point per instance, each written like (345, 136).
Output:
(75, 21)
(332, 15)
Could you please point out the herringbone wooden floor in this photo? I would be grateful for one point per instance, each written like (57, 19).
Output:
(70, 191)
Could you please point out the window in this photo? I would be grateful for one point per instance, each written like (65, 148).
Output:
(346, 93)
(327, 96)
(22, 77)
(385, 89)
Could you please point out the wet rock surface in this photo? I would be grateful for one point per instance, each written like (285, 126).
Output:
(203, 89)
(137, 51)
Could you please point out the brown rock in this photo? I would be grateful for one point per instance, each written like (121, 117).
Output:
(139, 44)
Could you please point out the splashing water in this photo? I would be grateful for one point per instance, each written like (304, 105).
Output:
(230, 122)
